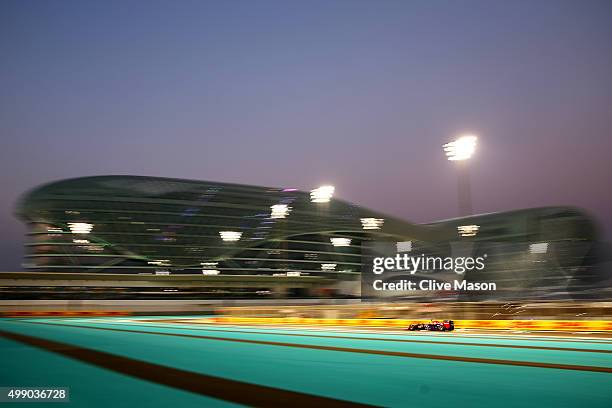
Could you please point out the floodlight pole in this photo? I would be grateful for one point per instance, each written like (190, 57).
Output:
(461, 151)
(464, 188)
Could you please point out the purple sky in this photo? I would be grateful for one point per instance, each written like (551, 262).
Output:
(358, 94)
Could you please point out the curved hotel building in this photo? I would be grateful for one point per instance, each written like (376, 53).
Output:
(150, 225)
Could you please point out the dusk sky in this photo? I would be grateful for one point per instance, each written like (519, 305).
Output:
(359, 94)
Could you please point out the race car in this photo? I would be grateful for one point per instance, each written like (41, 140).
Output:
(434, 325)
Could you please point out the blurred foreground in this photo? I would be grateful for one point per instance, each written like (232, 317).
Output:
(319, 309)
(184, 361)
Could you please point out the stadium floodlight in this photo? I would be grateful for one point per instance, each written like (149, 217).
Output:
(461, 149)
(340, 242)
(328, 267)
(230, 236)
(279, 211)
(322, 194)
(80, 227)
(468, 230)
(372, 223)
(538, 248)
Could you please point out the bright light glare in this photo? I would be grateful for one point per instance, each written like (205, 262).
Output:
(328, 267)
(539, 248)
(404, 246)
(468, 230)
(461, 149)
(322, 194)
(94, 248)
(230, 236)
(279, 211)
(159, 262)
(293, 273)
(340, 242)
(208, 268)
(80, 227)
(372, 223)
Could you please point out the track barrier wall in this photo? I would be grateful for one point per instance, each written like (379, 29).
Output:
(47, 313)
(560, 325)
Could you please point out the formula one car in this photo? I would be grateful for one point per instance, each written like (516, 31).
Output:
(434, 325)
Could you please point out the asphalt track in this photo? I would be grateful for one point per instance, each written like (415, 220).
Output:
(184, 362)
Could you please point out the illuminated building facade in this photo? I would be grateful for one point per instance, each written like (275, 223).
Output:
(149, 225)
(131, 224)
